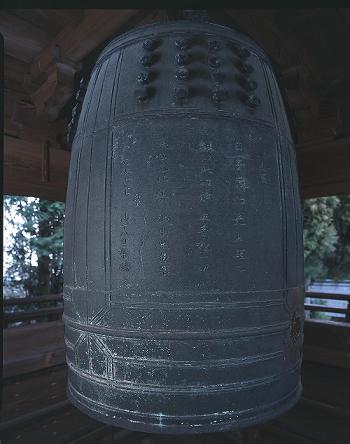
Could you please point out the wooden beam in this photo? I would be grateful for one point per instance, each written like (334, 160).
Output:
(324, 169)
(269, 30)
(62, 58)
(33, 300)
(333, 296)
(21, 121)
(76, 41)
(259, 25)
(326, 342)
(325, 308)
(51, 21)
(24, 315)
(23, 40)
(55, 92)
(15, 71)
(23, 170)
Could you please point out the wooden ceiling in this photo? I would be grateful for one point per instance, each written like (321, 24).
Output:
(47, 51)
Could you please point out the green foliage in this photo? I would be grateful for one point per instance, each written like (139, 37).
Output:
(327, 237)
(338, 262)
(37, 245)
(320, 235)
(36, 249)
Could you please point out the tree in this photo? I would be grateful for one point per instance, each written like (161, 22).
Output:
(327, 237)
(338, 262)
(320, 236)
(36, 249)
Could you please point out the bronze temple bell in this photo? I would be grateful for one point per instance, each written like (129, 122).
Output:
(183, 236)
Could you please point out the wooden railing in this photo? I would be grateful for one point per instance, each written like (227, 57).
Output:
(25, 310)
(50, 307)
(326, 308)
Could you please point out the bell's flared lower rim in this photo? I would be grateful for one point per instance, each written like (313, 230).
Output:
(278, 408)
(166, 28)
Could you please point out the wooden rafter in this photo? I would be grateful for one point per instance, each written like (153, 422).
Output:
(61, 59)
(37, 89)
(76, 41)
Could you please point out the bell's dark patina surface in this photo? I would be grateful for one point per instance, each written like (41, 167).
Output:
(183, 237)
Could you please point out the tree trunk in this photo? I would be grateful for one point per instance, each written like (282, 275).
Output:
(43, 260)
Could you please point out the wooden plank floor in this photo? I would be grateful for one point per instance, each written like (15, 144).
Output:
(36, 409)
(33, 347)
